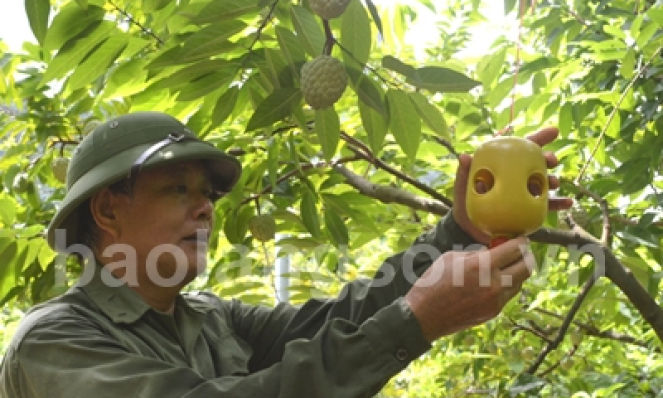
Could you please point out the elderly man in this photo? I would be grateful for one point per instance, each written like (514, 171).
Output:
(138, 209)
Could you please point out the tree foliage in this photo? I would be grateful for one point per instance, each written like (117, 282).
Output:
(352, 182)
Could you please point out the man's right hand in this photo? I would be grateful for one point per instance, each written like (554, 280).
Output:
(465, 289)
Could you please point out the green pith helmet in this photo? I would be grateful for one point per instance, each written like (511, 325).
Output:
(119, 149)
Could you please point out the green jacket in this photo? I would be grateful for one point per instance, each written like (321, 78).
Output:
(100, 341)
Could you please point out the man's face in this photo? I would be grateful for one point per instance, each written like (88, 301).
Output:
(167, 221)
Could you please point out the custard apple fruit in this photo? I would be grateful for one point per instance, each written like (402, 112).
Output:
(323, 81)
(59, 166)
(329, 9)
(263, 227)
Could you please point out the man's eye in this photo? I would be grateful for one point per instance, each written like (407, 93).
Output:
(213, 194)
(180, 188)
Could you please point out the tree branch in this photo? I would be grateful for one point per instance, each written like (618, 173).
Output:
(363, 151)
(386, 194)
(608, 265)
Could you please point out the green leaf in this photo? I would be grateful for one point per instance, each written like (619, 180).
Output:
(433, 78)
(222, 11)
(656, 14)
(490, 67)
(309, 213)
(398, 66)
(129, 78)
(70, 21)
(75, 50)
(291, 48)
(209, 41)
(205, 85)
(46, 255)
(11, 252)
(644, 36)
(82, 4)
(355, 35)
(98, 62)
(309, 32)
(277, 106)
(300, 243)
(404, 122)
(509, 5)
(636, 175)
(328, 129)
(614, 31)
(278, 69)
(38, 12)
(225, 105)
(336, 228)
(442, 80)
(7, 210)
(375, 125)
(190, 73)
(368, 91)
(565, 119)
(154, 5)
(431, 115)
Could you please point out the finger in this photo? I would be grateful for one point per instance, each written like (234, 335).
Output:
(519, 272)
(544, 136)
(463, 171)
(551, 160)
(462, 176)
(556, 204)
(553, 182)
(507, 253)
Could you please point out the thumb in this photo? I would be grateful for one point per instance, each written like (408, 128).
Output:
(462, 175)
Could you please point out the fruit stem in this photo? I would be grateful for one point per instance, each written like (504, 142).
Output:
(329, 43)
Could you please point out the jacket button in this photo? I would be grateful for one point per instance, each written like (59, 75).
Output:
(401, 354)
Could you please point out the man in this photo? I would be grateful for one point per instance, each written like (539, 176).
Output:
(138, 210)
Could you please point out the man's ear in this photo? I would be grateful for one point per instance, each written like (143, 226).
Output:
(104, 206)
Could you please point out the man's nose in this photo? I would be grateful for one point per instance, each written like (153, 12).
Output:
(204, 207)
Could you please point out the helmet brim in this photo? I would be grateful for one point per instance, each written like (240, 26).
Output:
(63, 229)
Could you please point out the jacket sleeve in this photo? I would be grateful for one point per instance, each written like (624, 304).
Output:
(361, 338)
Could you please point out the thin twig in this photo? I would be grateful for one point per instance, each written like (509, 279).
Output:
(447, 145)
(133, 21)
(370, 68)
(531, 330)
(591, 330)
(555, 365)
(565, 324)
(362, 150)
(614, 112)
(258, 33)
(297, 171)
(388, 194)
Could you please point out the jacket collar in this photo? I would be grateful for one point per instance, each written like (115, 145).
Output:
(120, 302)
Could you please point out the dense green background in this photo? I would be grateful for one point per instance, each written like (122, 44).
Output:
(368, 175)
